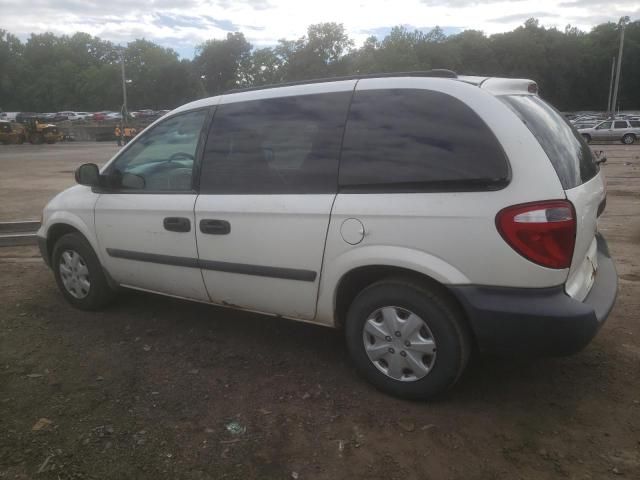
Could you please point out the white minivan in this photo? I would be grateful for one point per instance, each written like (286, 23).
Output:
(426, 214)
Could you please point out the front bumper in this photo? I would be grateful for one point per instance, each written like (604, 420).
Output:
(540, 321)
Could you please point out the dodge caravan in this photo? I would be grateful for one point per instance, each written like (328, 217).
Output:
(425, 214)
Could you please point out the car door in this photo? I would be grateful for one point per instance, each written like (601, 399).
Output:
(144, 217)
(268, 182)
(603, 131)
(620, 127)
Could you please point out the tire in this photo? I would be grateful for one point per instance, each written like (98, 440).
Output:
(445, 329)
(99, 293)
(587, 138)
(628, 139)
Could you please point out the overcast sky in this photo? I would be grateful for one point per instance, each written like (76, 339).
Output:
(182, 24)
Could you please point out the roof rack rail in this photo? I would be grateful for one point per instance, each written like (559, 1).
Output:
(436, 72)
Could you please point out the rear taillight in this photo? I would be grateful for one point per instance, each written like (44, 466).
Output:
(543, 232)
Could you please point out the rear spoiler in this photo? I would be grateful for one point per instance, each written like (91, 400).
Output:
(509, 86)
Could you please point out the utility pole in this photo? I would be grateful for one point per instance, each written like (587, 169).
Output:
(622, 23)
(124, 88)
(613, 72)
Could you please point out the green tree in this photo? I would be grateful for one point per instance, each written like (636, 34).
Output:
(221, 64)
(321, 53)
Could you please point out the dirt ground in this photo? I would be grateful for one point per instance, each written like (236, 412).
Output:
(160, 388)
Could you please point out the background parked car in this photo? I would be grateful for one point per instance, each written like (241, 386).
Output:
(113, 116)
(612, 130)
(9, 116)
(100, 116)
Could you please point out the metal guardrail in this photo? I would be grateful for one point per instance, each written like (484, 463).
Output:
(18, 233)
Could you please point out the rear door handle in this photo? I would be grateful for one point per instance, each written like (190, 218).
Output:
(214, 227)
(177, 224)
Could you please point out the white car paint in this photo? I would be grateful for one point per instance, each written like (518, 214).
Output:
(287, 231)
(135, 222)
(423, 232)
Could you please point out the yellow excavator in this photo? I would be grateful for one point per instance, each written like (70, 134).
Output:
(36, 132)
(11, 132)
(32, 130)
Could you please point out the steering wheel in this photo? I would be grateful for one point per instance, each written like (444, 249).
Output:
(181, 154)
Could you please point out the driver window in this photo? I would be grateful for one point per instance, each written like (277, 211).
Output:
(605, 125)
(161, 159)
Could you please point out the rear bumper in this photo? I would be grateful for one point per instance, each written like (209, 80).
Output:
(541, 321)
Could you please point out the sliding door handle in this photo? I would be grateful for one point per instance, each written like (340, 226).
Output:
(215, 227)
(177, 224)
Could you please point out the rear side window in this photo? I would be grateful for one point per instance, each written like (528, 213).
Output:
(276, 146)
(620, 125)
(568, 152)
(404, 140)
(635, 123)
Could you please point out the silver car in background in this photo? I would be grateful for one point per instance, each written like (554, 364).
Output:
(626, 131)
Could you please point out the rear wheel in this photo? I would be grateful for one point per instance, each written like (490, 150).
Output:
(586, 137)
(79, 274)
(628, 139)
(407, 339)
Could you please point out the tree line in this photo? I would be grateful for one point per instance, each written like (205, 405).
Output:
(49, 73)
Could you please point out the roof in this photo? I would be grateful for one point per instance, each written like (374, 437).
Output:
(436, 72)
(494, 85)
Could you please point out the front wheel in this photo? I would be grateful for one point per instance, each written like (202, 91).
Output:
(628, 139)
(407, 339)
(79, 274)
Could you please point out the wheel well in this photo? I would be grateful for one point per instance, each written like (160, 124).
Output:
(358, 279)
(55, 232)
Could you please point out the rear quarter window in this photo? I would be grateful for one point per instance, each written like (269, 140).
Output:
(568, 152)
(410, 140)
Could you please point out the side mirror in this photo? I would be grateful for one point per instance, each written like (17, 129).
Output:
(88, 174)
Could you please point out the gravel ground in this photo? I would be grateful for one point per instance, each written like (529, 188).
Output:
(155, 387)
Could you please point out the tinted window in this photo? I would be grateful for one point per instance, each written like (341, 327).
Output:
(418, 140)
(162, 159)
(278, 145)
(569, 153)
(620, 125)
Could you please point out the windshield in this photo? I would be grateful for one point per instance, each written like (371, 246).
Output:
(565, 147)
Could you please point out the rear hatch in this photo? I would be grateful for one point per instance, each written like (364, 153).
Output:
(579, 175)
